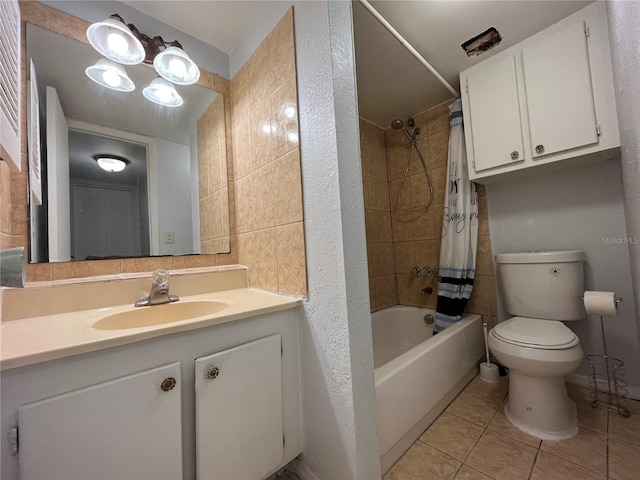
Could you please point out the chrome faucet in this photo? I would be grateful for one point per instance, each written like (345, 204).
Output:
(159, 293)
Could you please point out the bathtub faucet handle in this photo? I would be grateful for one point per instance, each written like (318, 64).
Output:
(428, 271)
(415, 271)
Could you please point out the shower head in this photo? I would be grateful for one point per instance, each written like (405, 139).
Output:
(397, 124)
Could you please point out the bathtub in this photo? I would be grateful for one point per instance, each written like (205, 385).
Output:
(418, 374)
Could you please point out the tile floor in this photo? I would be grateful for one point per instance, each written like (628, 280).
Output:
(473, 440)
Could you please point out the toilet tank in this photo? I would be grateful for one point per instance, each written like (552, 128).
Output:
(547, 285)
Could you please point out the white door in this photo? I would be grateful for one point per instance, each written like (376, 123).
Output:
(560, 102)
(129, 428)
(58, 180)
(239, 432)
(494, 115)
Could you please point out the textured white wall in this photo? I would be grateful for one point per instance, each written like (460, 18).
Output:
(338, 382)
(575, 208)
(624, 36)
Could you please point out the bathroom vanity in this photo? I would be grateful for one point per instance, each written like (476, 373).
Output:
(212, 396)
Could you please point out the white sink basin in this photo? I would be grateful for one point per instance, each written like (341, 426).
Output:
(158, 315)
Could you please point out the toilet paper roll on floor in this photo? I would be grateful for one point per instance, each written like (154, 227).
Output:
(600, 303)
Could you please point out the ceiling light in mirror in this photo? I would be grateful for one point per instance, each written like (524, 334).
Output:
(163, 93)
(111, 163)
(174, 65)
(111, 75)
(113, 39)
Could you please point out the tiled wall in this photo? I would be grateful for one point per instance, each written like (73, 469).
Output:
(382, 279)
(267, 165)
(416, 235)
(212, 168)
(14, 208)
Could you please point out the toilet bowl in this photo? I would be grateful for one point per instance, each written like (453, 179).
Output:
(541, 288)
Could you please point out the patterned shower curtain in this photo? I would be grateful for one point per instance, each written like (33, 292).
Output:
(459, 230)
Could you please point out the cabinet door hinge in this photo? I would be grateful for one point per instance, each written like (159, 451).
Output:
(473, 162)
(466, 85)
(586, 30)
(281, 350)
(598, 131)
(14, 443)
(284, 442)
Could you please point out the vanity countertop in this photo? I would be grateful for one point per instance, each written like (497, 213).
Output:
(43, 338)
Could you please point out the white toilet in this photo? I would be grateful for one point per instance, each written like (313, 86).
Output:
(542, 289)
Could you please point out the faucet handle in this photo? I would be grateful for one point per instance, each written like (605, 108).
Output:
(160, 277)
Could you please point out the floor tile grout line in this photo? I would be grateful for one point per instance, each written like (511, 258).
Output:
(533, 465)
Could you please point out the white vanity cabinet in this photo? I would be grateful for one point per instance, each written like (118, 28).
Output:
(104, 414)
(548, 101)
(239, 431)
(126, 428)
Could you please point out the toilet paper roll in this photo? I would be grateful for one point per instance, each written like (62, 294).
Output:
(600, 303)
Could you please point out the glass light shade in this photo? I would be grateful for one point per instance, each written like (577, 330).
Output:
(111, 164)
(114, 40)
(111, 75)
(174, 64)
(163, 93)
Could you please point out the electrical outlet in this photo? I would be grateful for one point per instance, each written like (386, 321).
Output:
(169, 237)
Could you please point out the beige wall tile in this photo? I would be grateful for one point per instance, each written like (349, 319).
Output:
(394, 138)
(397, 161)
(402, 224)
(438, 119)
(483, 296)
(407, 289)
(260, 135)
(257, 250)
(483, 216)
(242, 150)
(405, 257)
(420, 193)
(259, 83)
(484, 257)
(374, 135)
(281, 51)
(263, 209)
(427, 254)
(424, 225)
(426, 299)
(194, 261)
(439, 179)
(39, 272)
(292, 277)
(287, 189)
(378, 193)
(66, 270)
(284, 119)
(240, 97)
(396, 186)
(146, 264)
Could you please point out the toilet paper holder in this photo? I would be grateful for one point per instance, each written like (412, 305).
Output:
(609, 390)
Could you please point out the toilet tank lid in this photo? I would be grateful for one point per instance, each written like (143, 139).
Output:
(549, 256)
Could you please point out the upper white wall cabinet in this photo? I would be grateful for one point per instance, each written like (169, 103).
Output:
(546, 99)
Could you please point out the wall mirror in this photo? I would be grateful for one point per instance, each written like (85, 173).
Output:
(171, 198)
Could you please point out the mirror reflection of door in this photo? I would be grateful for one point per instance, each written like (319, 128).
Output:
(109, 209)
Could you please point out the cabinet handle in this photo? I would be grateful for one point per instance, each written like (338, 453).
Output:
(212, 373)
(168, 384)
(514, 155)
(539, 149)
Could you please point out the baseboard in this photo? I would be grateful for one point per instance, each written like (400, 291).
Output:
(583, 381)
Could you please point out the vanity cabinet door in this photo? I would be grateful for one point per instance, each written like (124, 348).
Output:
(129, 428)
(239, 424)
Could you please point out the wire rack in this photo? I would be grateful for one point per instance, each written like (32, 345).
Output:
(609, 390)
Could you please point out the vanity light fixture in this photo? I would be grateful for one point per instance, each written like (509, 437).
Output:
(111, 75)
(125, 44)
(163, 93)
(111, 163)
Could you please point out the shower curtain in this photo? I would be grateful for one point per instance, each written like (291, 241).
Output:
(459, 230)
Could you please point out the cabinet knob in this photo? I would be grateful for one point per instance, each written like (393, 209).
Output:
(539, 148)
(212, 373)
(514, 155)
(168, 384)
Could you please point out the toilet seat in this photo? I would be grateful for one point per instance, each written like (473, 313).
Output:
(535, 333)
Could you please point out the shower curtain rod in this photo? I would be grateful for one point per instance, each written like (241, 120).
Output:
(408, 46)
